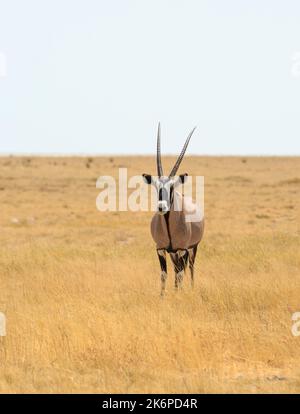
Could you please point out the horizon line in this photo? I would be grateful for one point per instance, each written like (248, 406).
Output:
(78, 155)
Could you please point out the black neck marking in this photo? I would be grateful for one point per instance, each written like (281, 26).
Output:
(167, 216)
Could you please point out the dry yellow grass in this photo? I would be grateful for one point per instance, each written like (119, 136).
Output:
(80, 288)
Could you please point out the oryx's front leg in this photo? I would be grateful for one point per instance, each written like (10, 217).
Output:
(163, 265)
(179, 259)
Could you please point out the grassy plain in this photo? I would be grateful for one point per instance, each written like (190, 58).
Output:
(80, 288)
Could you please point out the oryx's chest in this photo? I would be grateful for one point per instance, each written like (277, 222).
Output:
(170, 231)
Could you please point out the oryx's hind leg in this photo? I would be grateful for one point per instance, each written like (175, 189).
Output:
(180, 260)
(192, 258)
(163, 265)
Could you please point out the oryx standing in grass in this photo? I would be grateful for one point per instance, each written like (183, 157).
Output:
(171, 228)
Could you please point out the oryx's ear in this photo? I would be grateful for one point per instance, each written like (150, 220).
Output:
(183, 178)
(180, 180)
(147, 178)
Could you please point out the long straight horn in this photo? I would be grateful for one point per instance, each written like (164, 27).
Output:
(159, 165)
(180, 158)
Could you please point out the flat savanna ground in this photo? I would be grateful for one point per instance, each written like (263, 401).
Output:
(80, 289)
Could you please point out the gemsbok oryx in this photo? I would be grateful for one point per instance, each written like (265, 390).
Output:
(172, 229)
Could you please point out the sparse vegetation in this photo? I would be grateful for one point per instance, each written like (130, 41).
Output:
(80, 288)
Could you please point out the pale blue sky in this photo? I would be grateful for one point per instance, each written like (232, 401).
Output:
(95, 76)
